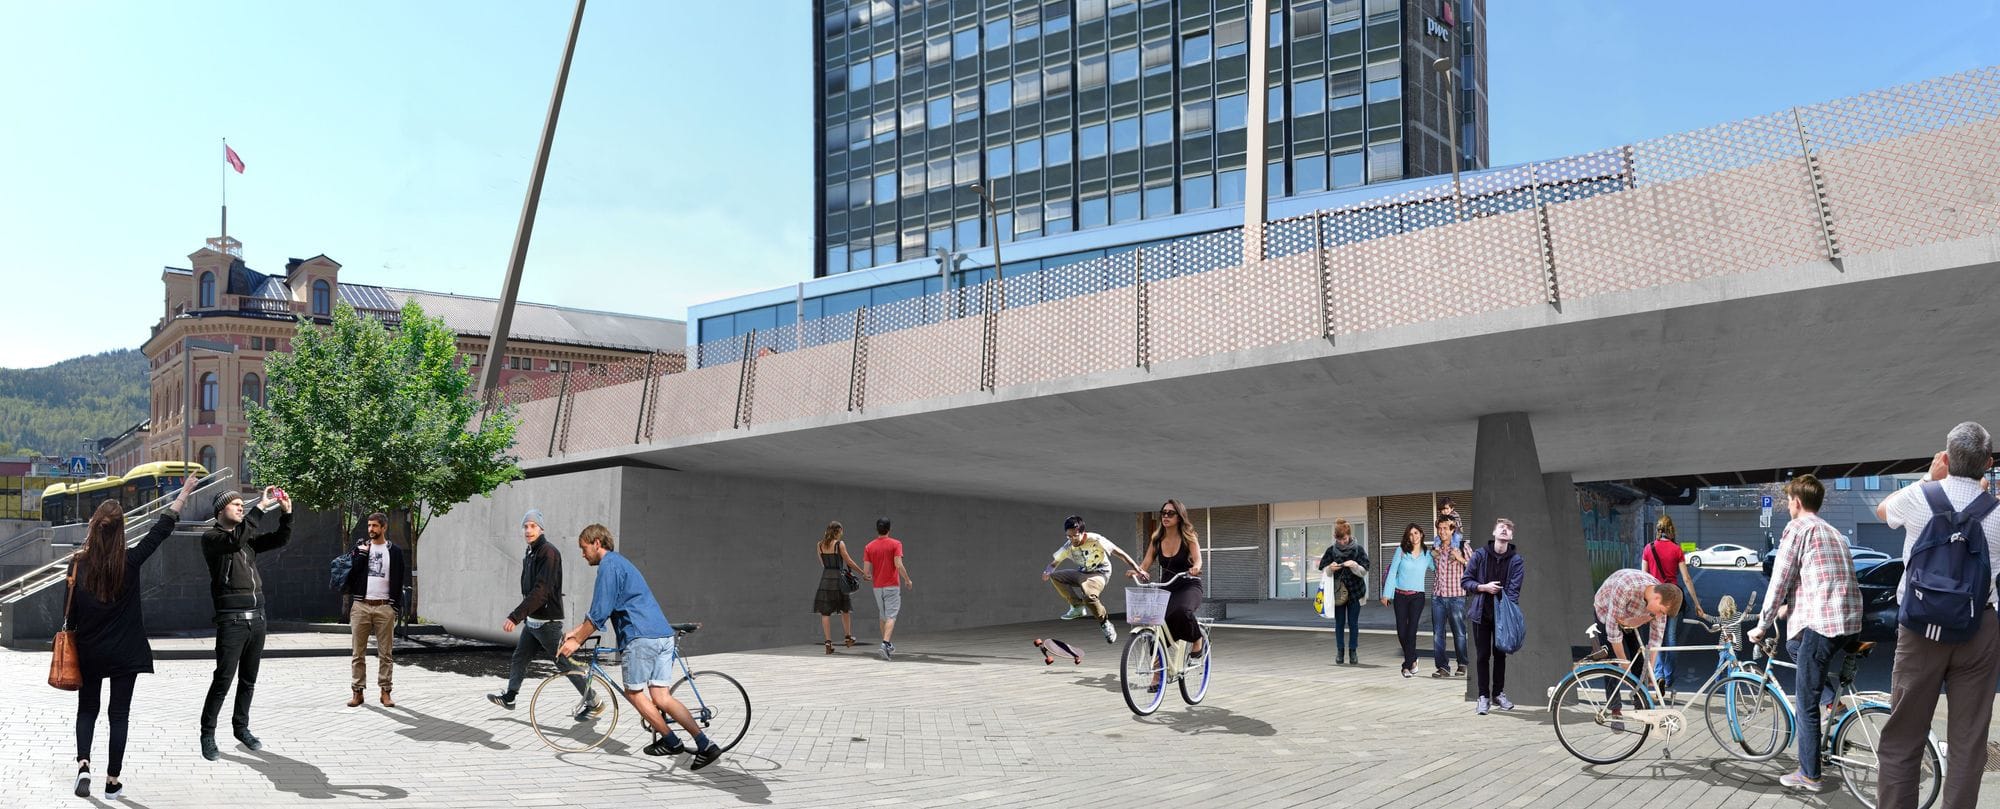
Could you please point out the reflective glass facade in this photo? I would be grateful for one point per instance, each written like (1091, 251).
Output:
(1079, 114)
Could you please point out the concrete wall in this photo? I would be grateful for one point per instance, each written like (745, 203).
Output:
(176, 594)
(737, 553)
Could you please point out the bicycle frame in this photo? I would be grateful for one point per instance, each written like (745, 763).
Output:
(1671, 717)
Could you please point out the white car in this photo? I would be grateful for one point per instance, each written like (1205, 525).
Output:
(1722, 555)
(1867, 556)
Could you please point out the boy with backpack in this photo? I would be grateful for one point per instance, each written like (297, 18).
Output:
(1947, 635)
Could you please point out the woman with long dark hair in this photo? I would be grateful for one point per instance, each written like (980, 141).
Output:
(1178, 549)
(831, 596)
(1405, 580)
(110, 629)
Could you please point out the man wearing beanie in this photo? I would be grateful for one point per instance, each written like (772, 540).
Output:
(231, 554)
(540, 617)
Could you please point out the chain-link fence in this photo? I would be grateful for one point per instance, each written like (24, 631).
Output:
(1903, 166)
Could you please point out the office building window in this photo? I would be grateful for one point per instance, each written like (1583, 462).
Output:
(1871, 483)
(1159, 200)
(1197, 118)
(1124, 207)
(1842, 484)
(1125, 134)
(1232, 112)
(1028, 155)
(1309, 174)
(1159, 127)
(1093, 141)
(998, 33)
(1308, 97)
(1055, 79)
(937, 112)
(1093, 212)
(1056, 149)
(1091, 71)
(1385, 161)
(1198, 193)
(1347, 170)
(1196, 49)
(999, 161)
(1124, 64)
(965, 43)
(885, 67)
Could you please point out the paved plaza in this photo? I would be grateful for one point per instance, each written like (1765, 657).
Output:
(962, 719)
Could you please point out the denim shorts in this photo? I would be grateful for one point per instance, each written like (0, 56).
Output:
(649, 661)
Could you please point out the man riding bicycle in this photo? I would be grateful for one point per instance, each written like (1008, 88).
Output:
(1081, 586)
(622, 598)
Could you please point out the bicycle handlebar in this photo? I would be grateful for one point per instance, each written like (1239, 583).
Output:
(1176, 577)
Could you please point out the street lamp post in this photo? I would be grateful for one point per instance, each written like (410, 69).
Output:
(992, 227)
(1444, 68)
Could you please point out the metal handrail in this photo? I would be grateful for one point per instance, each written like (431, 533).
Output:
(35, 580)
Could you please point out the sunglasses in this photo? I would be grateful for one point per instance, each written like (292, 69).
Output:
(1167, 512)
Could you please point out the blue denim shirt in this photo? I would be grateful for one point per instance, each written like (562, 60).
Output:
(623, 599)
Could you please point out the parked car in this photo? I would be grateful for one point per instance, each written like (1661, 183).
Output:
(1722, 556)
(1863, 558)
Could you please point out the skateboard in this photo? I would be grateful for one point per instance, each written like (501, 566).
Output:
(1051, 648)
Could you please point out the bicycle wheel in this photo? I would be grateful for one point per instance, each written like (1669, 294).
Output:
(1194, 680)
(1142, 672)
(1588, 714)
(559, 715)
(719, 704)
(1748, 719)
(1854, 749)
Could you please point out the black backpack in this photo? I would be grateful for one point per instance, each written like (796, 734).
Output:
(337, 571)
(1948, 576)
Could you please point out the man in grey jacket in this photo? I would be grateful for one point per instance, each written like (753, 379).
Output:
(540, 617)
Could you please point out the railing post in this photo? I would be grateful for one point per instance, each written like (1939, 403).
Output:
(1544, 241)
(1142, 337)
(745, 371)
(647, 391)
(857, 368)
(1816, 182)
(556, 425)
(1325, 276)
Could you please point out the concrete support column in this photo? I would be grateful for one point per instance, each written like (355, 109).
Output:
(1507, 481)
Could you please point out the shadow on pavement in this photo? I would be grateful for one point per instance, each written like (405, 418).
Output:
(938, 659)
(423, 727)
(1199, 719)
(308, 781)
(1758, 778)
(732, 774)
(1108, 682)
(479, 664)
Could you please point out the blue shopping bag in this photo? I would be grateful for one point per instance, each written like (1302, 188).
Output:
(1510, 627)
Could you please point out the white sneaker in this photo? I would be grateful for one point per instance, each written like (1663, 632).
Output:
(1483, 704)
(1503, 702)
(1110, 634)
(1073, 614)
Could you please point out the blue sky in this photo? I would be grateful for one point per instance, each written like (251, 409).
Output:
(397, 137)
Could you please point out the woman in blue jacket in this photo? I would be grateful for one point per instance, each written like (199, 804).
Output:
(1403, 587)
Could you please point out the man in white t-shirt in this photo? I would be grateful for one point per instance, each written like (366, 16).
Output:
(376, 583)
(1081, 586)
(1968, 670)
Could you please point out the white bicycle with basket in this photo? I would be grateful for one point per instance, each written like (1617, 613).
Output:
(1153, 658)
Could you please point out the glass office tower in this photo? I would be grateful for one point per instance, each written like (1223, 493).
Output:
(1083, 114)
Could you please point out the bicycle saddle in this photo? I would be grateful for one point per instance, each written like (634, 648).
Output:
(686, 628)
(1859, 648)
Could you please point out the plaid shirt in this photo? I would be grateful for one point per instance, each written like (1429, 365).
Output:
(1814, 572)
(1450, 580)
(1622, 601)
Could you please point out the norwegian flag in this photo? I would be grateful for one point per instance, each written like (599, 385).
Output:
(1450, 16)
(230, 155)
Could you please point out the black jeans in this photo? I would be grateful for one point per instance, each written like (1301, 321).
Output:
(1409, 608)
(1635, 661)
(239, 651)
(1491, 668)
(88, 698)
(1181, 606)
(534, 643)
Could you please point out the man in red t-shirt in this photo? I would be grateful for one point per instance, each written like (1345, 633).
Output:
(1665, 561)
(882, 561)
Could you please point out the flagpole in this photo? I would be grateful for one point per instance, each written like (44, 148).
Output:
(225, 191)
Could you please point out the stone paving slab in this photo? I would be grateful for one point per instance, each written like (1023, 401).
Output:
(963, 719)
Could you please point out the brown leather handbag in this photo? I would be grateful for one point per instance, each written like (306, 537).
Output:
(64, 673)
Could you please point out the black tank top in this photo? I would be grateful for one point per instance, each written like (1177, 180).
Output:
(830, 561)
(1178, 563)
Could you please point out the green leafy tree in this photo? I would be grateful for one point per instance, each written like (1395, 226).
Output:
(358, 418)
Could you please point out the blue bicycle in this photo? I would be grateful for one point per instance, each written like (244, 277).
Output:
(578, 711)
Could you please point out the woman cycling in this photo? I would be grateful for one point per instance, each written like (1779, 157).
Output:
(1178, 549)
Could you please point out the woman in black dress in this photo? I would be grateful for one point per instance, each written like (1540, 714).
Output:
(110, 628)
(1178, 549)
(831, 597)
